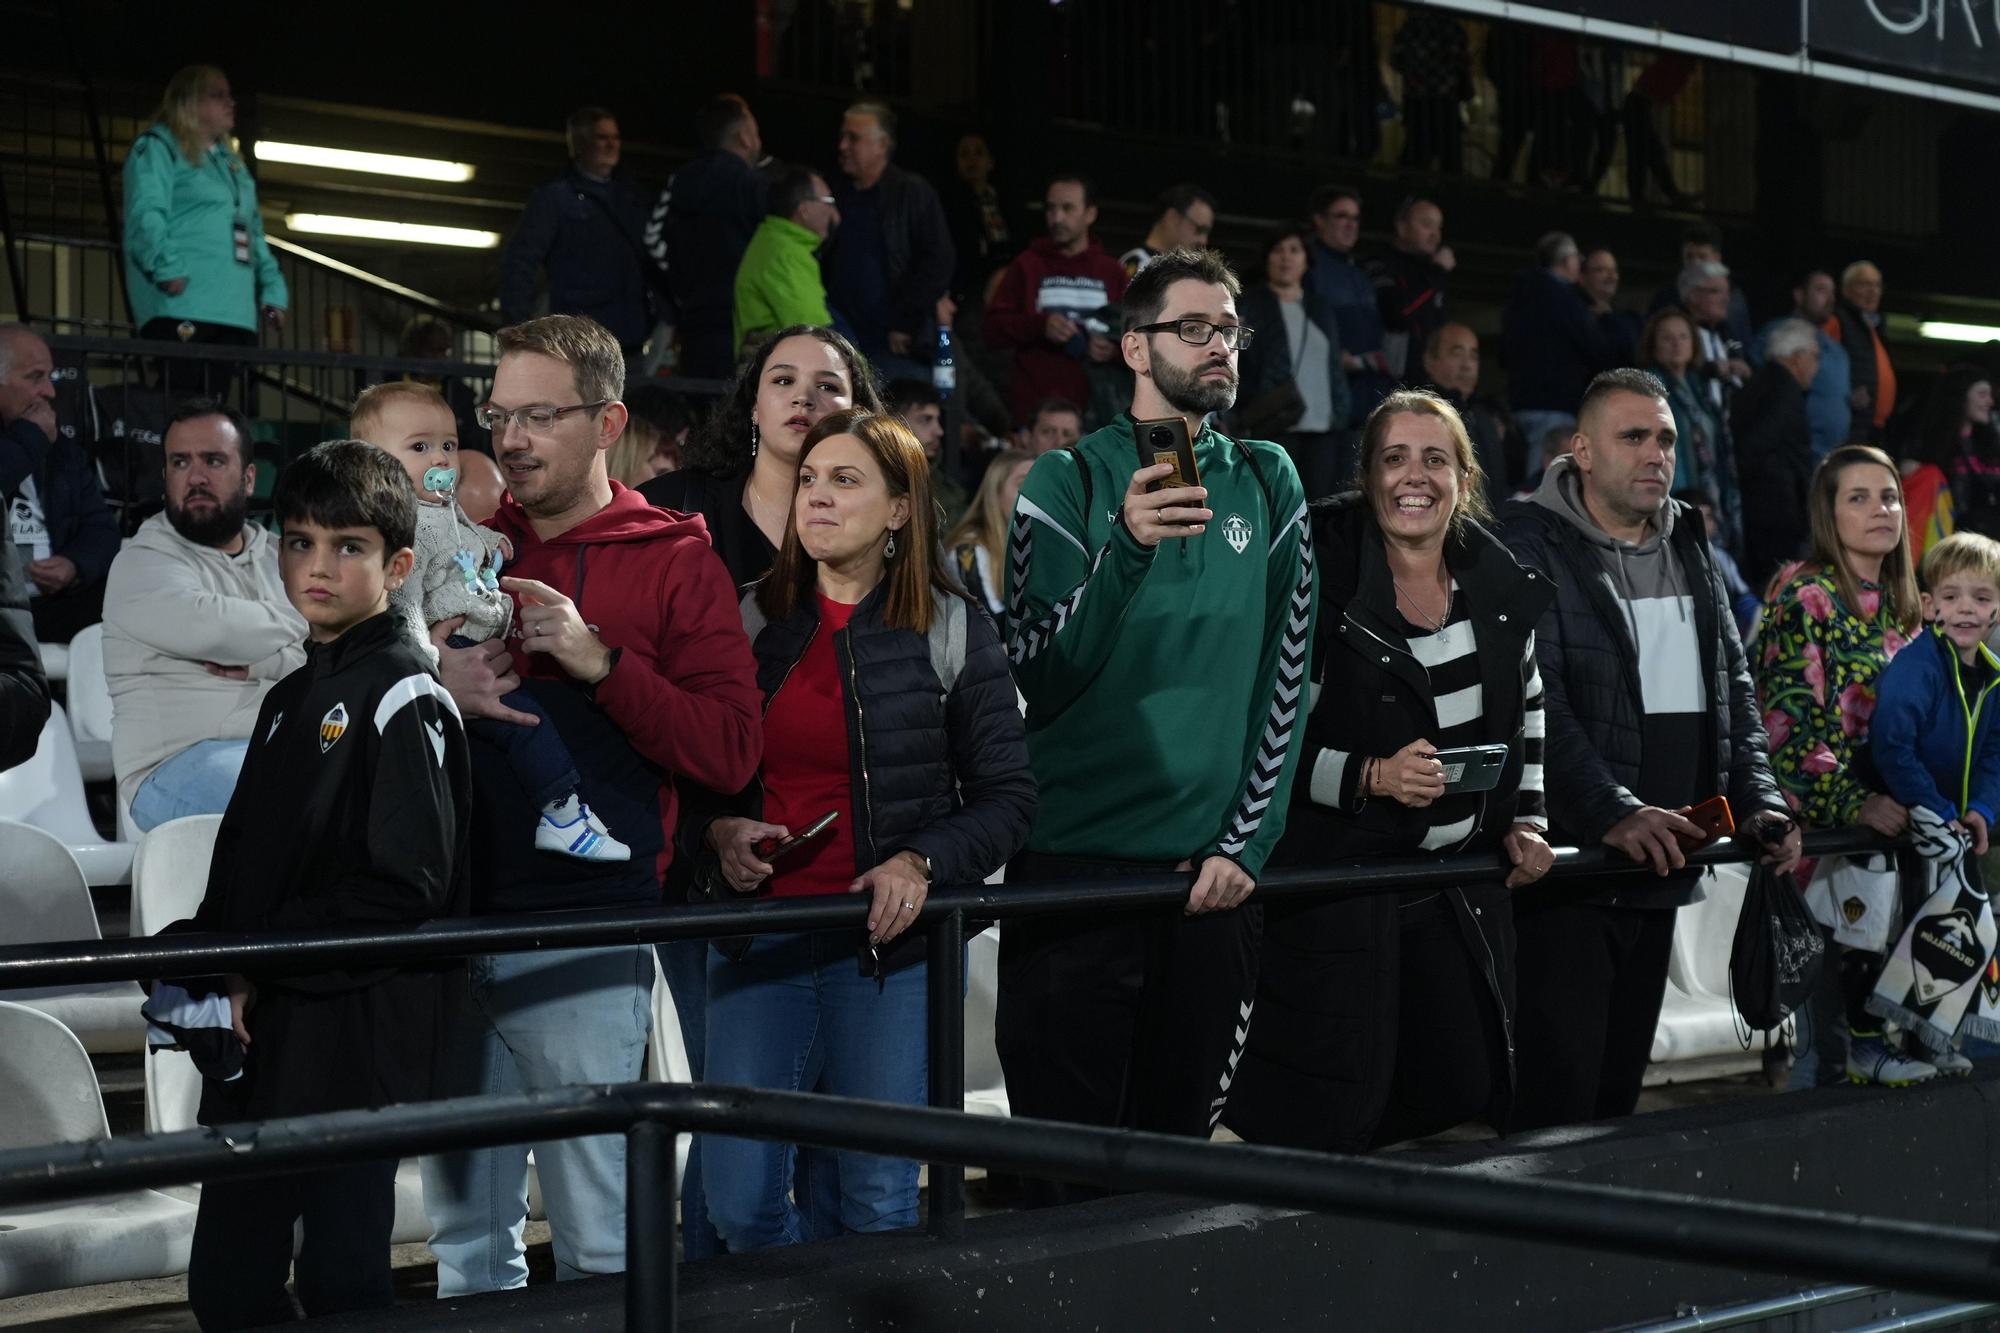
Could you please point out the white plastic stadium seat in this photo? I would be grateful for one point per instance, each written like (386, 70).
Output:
(43, 897)
(49, 1094)
(169, 876)
(88, 699)
(55, 661)
(666, 1052)
(47, 792)
(985, 1085)
(1698, 1018)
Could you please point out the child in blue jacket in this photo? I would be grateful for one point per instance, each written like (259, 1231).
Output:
(1935, 736)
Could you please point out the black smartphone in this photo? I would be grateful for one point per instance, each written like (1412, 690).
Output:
(1165, 440)
(785, 847)
(1472, 767)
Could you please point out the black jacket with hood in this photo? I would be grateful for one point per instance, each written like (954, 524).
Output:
(1774, 468)
(352, 811)
(1320, 1060)
(1590, 676)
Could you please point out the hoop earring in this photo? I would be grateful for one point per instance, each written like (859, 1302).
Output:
(889, 551)
(754, 440)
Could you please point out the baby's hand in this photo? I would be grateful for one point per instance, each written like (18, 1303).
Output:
(503, 551)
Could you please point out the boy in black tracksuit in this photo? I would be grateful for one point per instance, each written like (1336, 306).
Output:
(351, 811)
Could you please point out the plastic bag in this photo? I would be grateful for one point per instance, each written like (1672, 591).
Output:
(1778, 951)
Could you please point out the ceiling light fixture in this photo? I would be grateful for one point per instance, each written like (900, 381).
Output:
(381, 229)
(350, 159)
(1946, 331)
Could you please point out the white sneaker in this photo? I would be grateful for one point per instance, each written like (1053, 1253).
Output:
(570, 829)
(1869, 1060)
(1950, 1062)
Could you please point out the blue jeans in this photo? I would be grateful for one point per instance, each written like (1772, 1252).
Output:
(197, 781)
(797, 1014)
(685, 964)
(547, 1019)
(541, 762)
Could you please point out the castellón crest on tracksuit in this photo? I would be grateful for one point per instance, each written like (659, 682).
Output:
(1236, 530)
(332, 727)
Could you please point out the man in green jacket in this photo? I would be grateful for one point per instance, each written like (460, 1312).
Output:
(1160, 639)
(778, 283)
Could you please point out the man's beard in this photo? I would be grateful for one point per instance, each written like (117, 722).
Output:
(1186, 391)
(219, 528)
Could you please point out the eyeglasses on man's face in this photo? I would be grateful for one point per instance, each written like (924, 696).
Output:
(537, 420)
(1197, 332)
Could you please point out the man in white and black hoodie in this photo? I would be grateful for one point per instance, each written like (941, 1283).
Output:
(1650, 711)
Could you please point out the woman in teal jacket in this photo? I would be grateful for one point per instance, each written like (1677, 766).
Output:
(197, 266)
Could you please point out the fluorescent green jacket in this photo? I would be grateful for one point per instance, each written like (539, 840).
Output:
(180, 223)
(1165, 687)
(778, 283)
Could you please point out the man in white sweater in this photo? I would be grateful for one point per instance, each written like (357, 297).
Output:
(196, 626)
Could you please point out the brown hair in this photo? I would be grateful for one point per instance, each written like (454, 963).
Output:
(1899, 580)
(1423, 403)
(1648, 336)
(375, 399)
(915, 571)
(595, 362)
(1962, 553)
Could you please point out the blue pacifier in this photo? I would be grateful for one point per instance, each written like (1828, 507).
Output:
(441, 481)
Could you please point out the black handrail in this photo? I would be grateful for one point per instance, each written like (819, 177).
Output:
(1797, 1242)
(198, 954)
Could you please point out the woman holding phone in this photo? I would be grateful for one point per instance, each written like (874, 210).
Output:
(1383, 1017)
(888, 703)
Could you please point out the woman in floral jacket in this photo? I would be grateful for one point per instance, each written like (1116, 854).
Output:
(1832, 625)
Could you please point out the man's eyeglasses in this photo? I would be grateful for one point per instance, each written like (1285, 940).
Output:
(534, 420)
(1197, 332)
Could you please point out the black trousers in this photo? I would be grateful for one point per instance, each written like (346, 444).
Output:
(243, 1246)
(1590, 980)
(60, 616)
(1127, 1019)
(188, 378)
(1450, 1051)
(1325, 459)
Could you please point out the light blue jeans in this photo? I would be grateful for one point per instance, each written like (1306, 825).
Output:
(197, 781)
(547, 1019)
(797, 1014)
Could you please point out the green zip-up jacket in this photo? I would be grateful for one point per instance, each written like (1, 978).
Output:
(180, 222)
(1164, 686)
(778, 283)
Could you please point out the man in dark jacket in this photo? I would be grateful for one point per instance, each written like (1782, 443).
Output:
(66, 532)
(892, 257)
(1774, 461)
(1410, 281)
(1451, 371)
(1650, 711)
(1044, 298)
(700, 228)
(586, 228)
(1554, 343)
(1336, 277)
(24, 690)
(1856, 323)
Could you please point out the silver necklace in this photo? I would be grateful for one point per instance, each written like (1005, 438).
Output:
(1436, 625)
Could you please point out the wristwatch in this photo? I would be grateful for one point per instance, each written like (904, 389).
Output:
(928, 876)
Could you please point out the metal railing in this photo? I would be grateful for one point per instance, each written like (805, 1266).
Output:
(944, 919)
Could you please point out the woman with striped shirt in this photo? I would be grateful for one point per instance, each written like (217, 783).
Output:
(1384, 1017)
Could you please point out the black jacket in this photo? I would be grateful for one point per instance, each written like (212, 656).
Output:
(1488, 431)
(1320, 1060)
(81, 523)
(1772, 436)
(24, 690)
(918, 258)
(351, 812)
(1410, 296)
(703, 222)
(590, 237)
(745, 550)
(1270, 360)
(1590, 681)
(937, 767)
(1553, 344)
(1857, 338)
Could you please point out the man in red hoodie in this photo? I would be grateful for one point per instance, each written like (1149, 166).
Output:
(630, 640)
(1045, 296)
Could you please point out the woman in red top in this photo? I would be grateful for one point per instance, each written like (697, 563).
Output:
(888, 705)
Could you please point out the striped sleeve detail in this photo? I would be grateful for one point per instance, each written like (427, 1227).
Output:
(1287, 701)
(1031, 637)
(406, 692)
(1533, 807)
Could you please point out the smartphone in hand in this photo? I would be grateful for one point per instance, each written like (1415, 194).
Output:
(773, 852)
(1714, 819)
